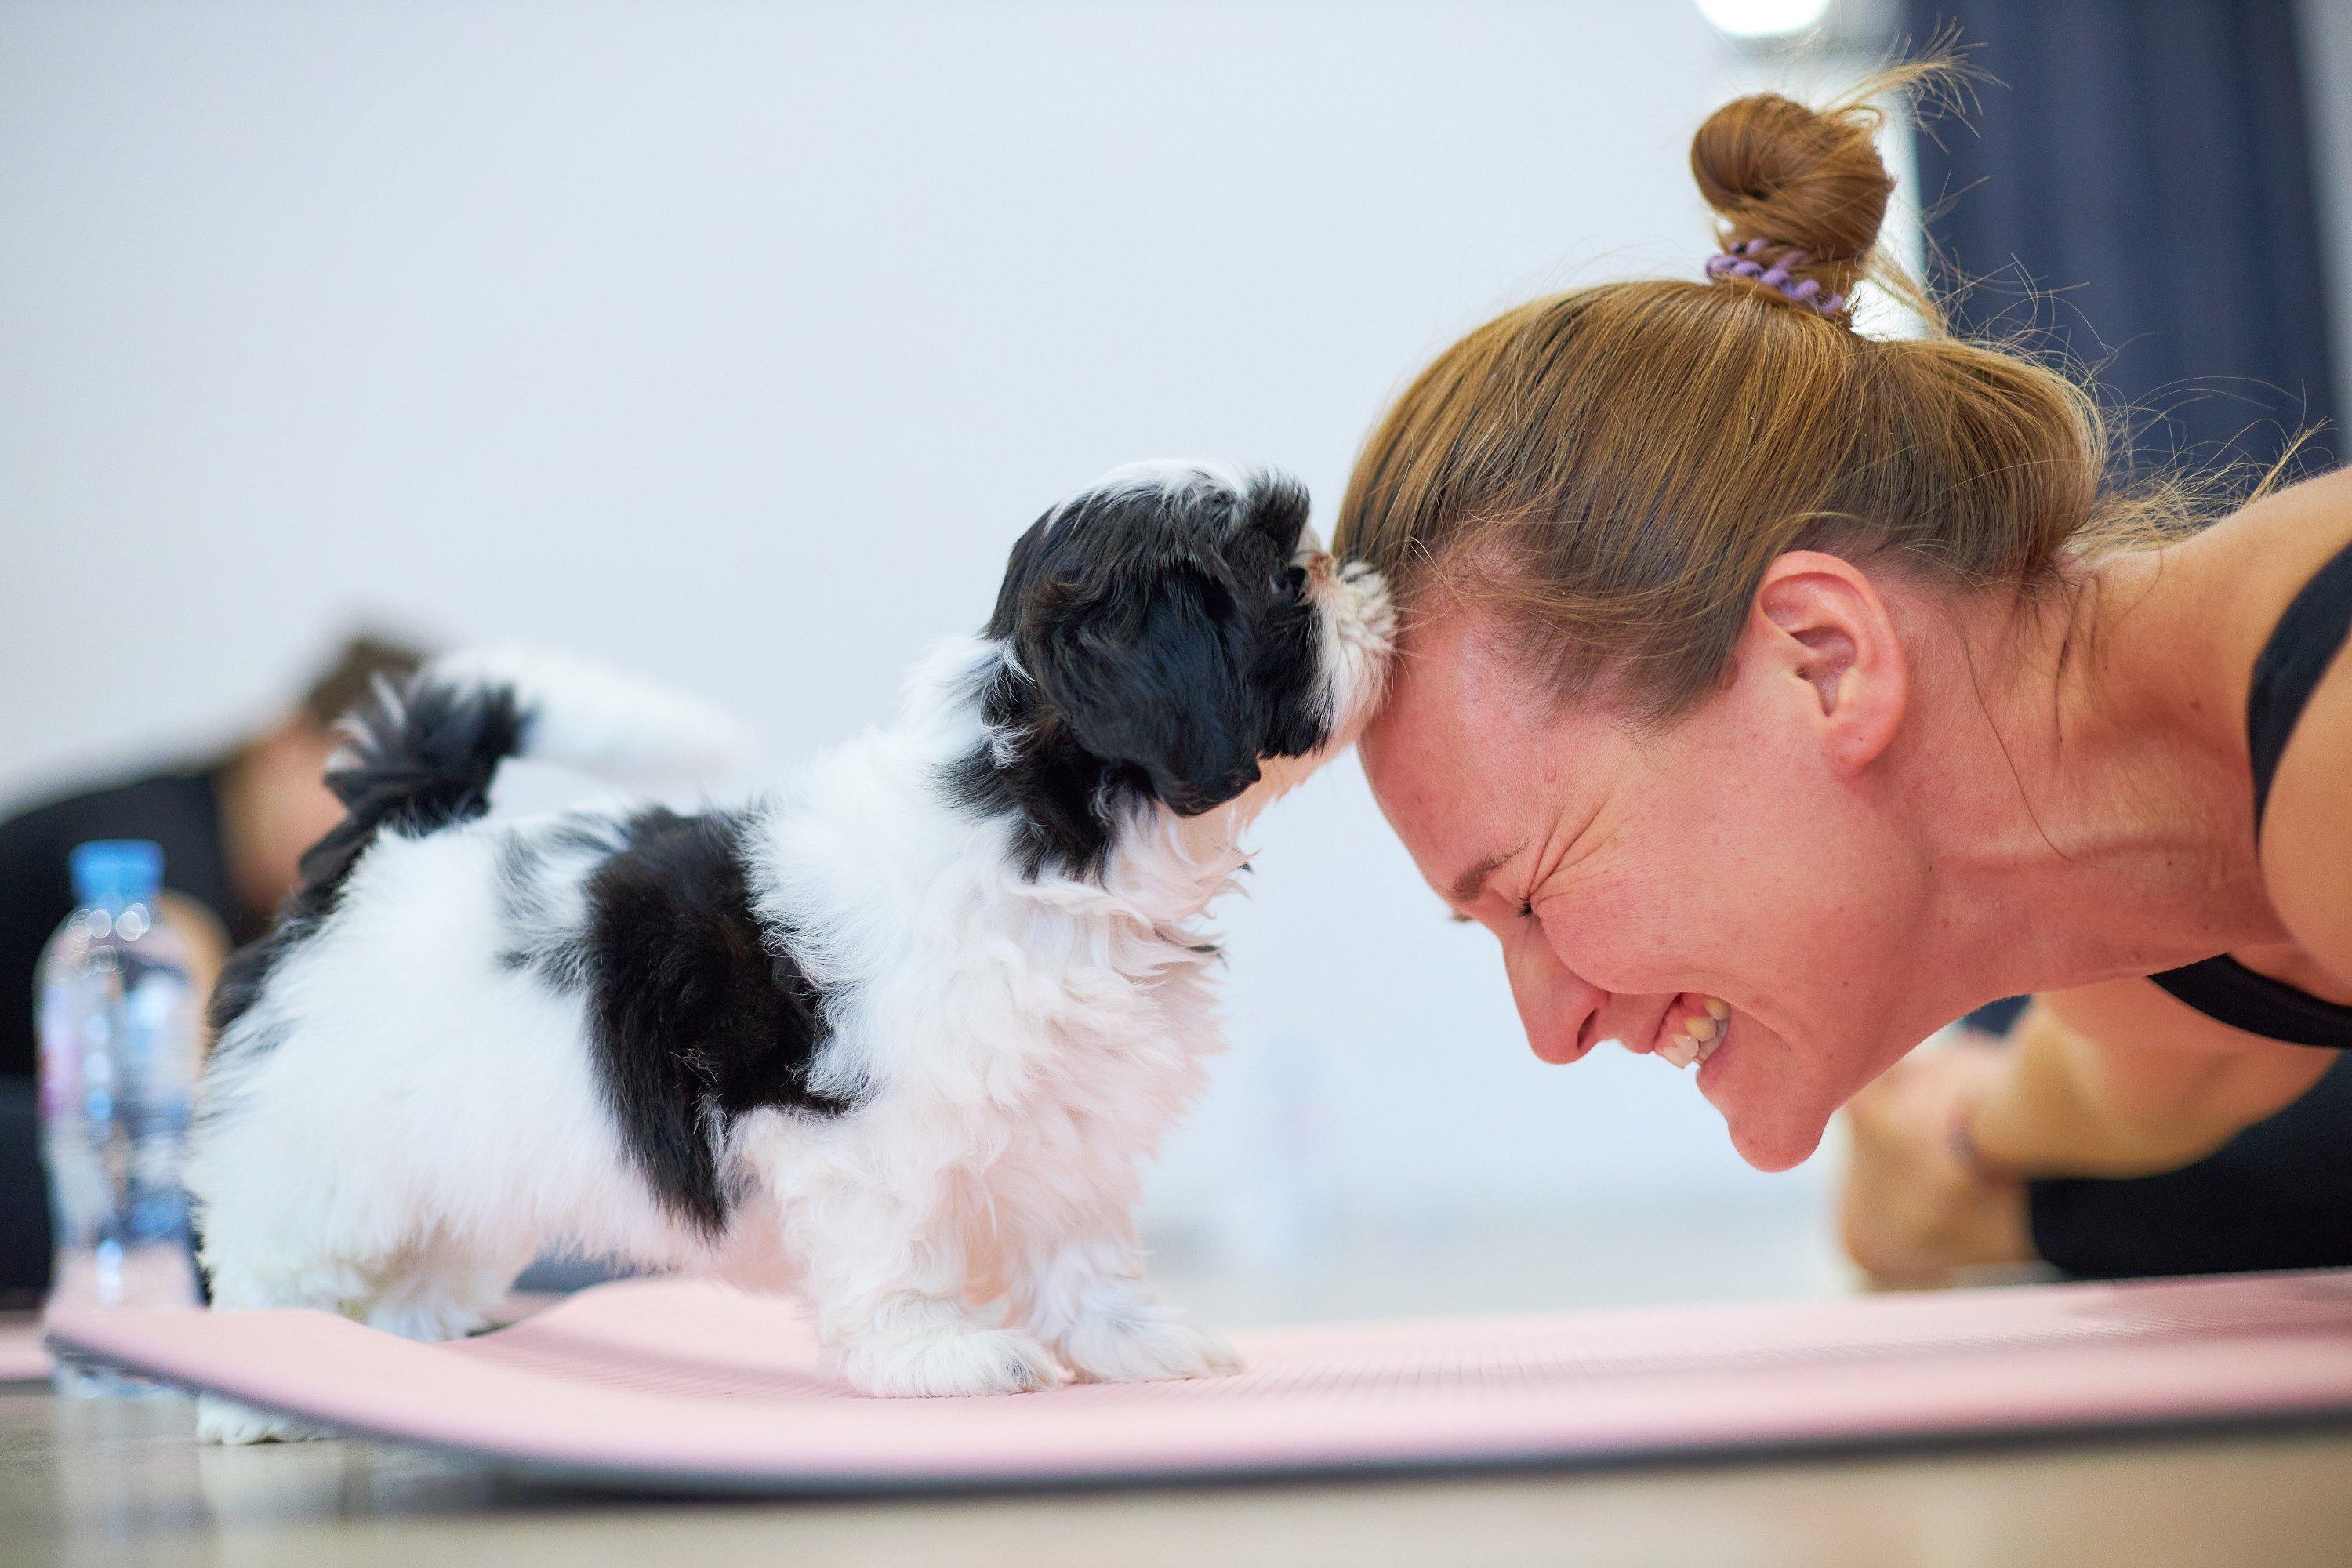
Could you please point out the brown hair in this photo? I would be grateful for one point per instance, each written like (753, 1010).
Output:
(1611, 470)
(349, 677)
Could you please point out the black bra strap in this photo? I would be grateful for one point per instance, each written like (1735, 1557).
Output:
(2229, 992)
(2306, 642)
(2309, 637)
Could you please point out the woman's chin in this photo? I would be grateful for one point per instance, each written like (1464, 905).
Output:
(1769, 1133)
(1783, 1147)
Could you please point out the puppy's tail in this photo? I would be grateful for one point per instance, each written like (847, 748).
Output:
(594, 718)
(423, 759)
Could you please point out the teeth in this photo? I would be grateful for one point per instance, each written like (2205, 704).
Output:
(1696, 1036)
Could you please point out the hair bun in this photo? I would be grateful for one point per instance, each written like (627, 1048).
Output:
(1810, 179)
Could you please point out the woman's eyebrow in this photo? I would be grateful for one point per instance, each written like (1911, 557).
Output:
(1467, 886)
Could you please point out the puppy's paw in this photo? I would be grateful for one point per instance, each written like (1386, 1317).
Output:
(222, 1420)
(1160, 1344)
(952, 1360)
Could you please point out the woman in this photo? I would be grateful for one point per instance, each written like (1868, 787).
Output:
(1776, 695)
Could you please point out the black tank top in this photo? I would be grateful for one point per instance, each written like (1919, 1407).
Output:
(2306, 641)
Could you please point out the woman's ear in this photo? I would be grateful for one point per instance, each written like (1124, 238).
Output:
(1819, 621)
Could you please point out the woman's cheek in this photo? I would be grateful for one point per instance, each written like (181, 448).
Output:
(1605, 945)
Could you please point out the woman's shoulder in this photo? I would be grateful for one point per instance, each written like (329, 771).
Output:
(2260, 557)
(2306, 844)
(2307, 830)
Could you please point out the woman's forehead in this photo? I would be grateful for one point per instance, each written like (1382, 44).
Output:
(1463, 757)
(1459, 685)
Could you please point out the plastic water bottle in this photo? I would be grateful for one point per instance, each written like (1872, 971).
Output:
(118, 1030)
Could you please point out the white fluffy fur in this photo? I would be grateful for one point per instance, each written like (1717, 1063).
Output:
(604, 720)
(423, 1120)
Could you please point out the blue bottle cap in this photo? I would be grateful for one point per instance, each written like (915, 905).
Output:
(116, 870)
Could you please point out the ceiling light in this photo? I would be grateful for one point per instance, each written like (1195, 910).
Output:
(1763, 19)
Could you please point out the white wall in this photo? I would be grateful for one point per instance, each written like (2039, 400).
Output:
(737, 341)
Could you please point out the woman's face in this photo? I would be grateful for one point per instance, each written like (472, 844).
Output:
(1734, 854)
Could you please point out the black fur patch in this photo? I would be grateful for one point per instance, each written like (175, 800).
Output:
(418, 764)
(1060, 795)
(695, 1020)
(1160, 645)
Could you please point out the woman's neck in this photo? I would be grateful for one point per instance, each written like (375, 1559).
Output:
(2088, 781)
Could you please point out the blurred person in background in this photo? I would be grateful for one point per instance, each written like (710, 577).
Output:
(233, 830)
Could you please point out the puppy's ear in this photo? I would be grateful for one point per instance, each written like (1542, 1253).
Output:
(1149, 675)
(1276, 506)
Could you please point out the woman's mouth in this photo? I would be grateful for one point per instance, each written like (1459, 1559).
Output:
(1693, 1029)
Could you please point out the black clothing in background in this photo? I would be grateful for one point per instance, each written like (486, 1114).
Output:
(2278, 1196)
(180, 811)
(25, 1244)
(1999, 1017)
(2149, 166)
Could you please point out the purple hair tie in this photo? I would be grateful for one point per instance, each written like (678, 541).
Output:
(1740, 261)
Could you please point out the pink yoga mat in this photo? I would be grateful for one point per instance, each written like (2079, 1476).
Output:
(690, 1384)
(23, 1357)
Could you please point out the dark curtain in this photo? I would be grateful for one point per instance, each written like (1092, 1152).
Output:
(2148, 165)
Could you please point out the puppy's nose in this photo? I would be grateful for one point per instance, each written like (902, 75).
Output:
(1320, 566)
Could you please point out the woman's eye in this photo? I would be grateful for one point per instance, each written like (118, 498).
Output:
(1526, 909)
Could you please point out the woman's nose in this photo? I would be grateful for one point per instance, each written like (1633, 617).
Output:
(1554, 1005)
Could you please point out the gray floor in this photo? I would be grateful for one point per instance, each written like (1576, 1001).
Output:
(86, 1484)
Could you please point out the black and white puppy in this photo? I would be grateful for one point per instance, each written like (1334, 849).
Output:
(911, 1022)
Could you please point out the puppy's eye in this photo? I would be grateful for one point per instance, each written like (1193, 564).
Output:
(1285, 579)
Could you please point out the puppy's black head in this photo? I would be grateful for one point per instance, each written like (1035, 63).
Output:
(1169, 620)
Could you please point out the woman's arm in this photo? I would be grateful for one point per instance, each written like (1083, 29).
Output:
(1914, 1206)
(2121, 1079)
(2114, 1081)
